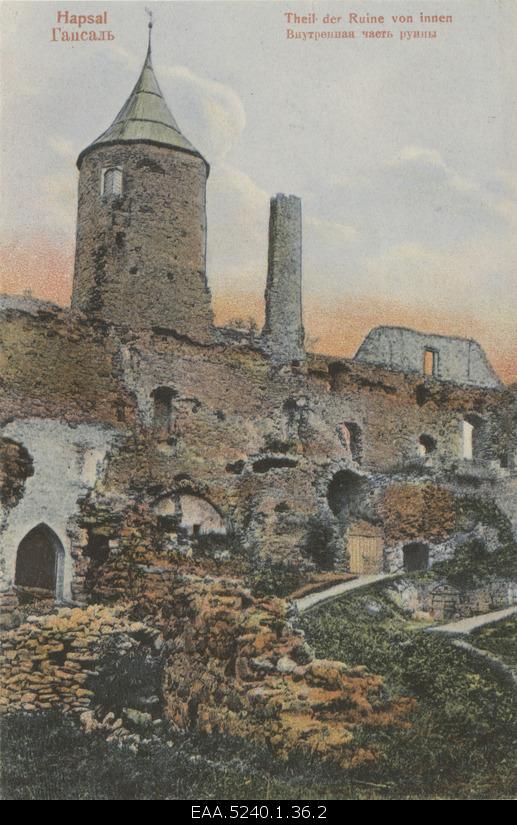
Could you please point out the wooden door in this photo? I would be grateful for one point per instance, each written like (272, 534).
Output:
(366, 554)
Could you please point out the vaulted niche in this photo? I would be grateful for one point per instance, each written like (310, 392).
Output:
(199, 517)
(345, 494)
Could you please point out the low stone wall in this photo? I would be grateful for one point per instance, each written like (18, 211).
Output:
(51, 661)
(443, 602)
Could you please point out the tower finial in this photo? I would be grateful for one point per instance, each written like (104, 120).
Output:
(150, 27)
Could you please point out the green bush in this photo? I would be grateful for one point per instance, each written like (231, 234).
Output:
(319, 543)
(273, 578)
(127, 680)
(473, 564)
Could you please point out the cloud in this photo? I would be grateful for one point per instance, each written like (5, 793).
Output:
(213, 110)
(237, 227)
(469, 278)
(329, 232)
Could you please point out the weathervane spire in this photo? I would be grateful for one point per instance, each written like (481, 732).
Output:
(150, 27)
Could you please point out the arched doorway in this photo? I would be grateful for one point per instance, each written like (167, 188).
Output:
(416, 557)
(39, 561)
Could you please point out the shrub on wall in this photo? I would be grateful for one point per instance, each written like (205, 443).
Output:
(320, 544)
(271, 578)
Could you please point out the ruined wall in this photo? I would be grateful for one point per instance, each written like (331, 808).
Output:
(444, 602)
(67, 461)
(141, 255)
(236, 666)
(56, 365)
(260, 443)
(283, 331)
(225, 663)
(457, 359)
(62, 407)
(411, 511)
(51, 662)
(394, 409)
(16, 466)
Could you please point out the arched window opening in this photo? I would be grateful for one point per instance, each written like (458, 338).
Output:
(426, 445)
(431, 361)
(39, 561)
(162, 411)
(112, 182)
(199, 517)
(415, 557)
(351, 437)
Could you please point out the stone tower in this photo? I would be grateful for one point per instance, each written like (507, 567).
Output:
(283, 331)
(141, 226)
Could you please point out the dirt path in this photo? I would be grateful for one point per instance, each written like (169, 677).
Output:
(467, 625)
(331, 593)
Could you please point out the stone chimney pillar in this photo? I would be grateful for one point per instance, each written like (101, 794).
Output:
(283, 332)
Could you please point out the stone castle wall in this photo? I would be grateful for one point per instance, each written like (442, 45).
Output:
(456, 359)
(261, 444)
(225, 663)
(50, 661)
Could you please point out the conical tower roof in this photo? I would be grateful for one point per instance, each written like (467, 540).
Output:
(144, 117)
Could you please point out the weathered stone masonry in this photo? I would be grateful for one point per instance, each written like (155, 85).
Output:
(260, 444)
(149, 462)
(283, 330)
(141, 255)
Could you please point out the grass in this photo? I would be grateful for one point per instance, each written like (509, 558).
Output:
(499, 638)
(462, 741)
(48, 757)
(460, 744)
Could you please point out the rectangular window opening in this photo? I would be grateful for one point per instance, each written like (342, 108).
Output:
(430, 362)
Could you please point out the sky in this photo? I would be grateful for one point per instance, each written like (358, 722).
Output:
(403, 152)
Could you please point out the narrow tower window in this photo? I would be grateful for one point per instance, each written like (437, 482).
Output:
(473, 437)
(162, 411)
(112, 182)
(350, 436)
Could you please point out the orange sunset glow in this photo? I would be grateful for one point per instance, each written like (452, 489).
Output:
(45, 268)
